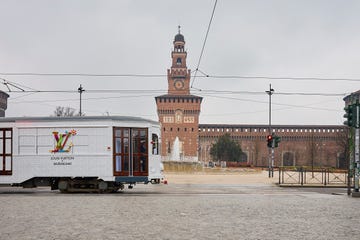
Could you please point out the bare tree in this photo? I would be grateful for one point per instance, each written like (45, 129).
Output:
(64, 112)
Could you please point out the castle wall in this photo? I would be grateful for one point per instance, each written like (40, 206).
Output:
(318, 146)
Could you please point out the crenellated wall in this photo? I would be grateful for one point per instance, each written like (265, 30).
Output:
(318, 146)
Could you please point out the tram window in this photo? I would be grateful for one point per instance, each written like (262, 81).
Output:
(118, 145)
(117, 133)
(118, 164)
(155, 144)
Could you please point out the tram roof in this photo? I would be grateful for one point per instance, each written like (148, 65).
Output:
(79, 118)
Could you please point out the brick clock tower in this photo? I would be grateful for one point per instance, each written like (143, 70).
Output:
(178, 110)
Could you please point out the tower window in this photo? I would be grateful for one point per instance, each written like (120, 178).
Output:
(178, 61)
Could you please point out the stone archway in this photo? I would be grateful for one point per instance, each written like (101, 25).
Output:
(341, 161)
(243, 157)
(288, 159)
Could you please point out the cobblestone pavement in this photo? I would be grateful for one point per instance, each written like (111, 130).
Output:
(180, 211)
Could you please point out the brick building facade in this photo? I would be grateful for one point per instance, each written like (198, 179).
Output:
(319, 146)
(178, 111)
(183, 139)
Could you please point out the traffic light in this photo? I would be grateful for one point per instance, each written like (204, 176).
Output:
(350, 115)
(273, 141)
(277, 140)
(269, 140)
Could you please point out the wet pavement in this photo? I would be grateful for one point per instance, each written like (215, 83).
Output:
(181, 211)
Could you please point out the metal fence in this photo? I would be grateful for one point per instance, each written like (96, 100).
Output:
(306, 176)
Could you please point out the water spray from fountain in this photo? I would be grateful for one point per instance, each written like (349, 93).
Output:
(175, 152)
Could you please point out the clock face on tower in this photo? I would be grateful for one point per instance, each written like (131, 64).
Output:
(179, 84)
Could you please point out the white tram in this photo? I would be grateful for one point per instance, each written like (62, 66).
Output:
(99, 154)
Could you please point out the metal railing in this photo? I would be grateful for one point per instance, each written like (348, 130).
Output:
(306, 176)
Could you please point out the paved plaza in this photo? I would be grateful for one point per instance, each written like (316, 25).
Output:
(181, 211)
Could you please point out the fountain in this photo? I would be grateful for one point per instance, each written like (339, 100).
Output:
(175, 152)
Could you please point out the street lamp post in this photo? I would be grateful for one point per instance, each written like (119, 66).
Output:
(271, 150)
(80, 90)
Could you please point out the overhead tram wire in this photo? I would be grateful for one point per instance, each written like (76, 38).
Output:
(7, 84)
(203, 47)
(164, 75)
(125, 91)
(80, 74)
(84, 99)
(278, 104)
(18, 86)
(209, 92)
(129, 91)
(284, 78)
(21, 88)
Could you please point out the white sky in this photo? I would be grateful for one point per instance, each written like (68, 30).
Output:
(307, 38)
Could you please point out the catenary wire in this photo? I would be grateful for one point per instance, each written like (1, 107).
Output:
(274, 103)
(293, 78)
(160, 91)
(203, 46)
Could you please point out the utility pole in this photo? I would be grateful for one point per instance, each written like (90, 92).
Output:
(357, 160)
(80, 90)
(271, 150)
(353, 122)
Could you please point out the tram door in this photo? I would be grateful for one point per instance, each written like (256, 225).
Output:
(130, 156)
(6, 151)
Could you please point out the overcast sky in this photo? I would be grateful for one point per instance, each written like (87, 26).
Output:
(280, 39)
